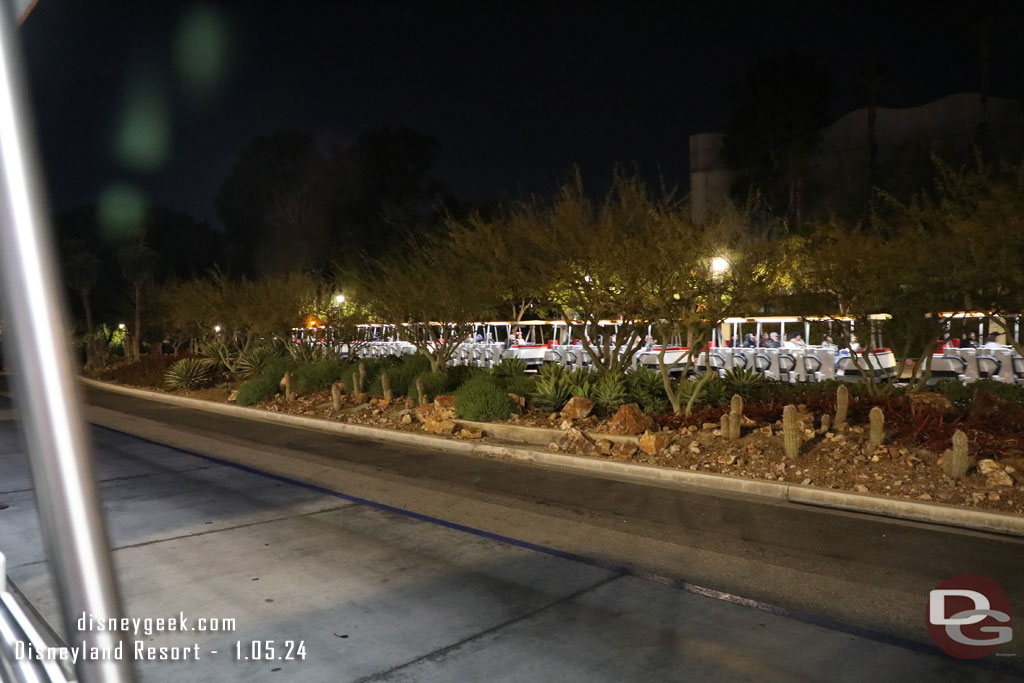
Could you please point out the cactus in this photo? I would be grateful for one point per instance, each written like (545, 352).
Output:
(791, 431)
(286, 386)
(735, 416)
(421, 393)
(362, 376)
(385, 384)
(842, 403)
(826, 423)
(877, 433)
(724, 426)
(357, 385)
(954, 460)
(336, 390)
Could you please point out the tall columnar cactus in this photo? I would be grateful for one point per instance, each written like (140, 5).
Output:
(421, 393)
(955, 460)
(286, 386)
(826, 423)
(724, 426)
(842, 403)
(362, 376)
(791, 431)
(735, 416)
(336, 390)
(385, 384)
(357, 384)
(877, 433)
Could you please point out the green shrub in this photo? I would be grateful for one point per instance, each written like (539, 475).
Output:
(403, 375)
(188, 373)
(483, 400)
(520, 385)
(316, 376)
(434, 384)
(256, 389)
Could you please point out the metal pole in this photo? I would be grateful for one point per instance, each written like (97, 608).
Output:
(36, 336)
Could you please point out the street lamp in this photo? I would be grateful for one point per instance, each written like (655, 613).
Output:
(216, 328)
(339, 299)
(719, 265)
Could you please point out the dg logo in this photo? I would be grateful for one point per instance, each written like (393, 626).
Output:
(969, 616)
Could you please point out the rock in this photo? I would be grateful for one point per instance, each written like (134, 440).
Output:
(623, 451)
(552, 446)
(577, 408)
(653, 443)
(233, 397)
(692, 428)
(747, 422)
(629, 419)
(726, 459)
(470, 433)
(874, 458)
(766, 430)
(805, 482)
(565, 424)
(406, 419)
(675, 449)
(604, 445)
(709, 426)
(999, 478)
(860, 488)
(694, 448)
(576, 441)
(993, 496)
(924, 496)
(988, 406)
(518, 400)
(375, 412)
(808, 434)
(977, 498)
(436, 424)
(988, 466)
(445, 406)
(929, 400)
(423, 412)
(361, 398)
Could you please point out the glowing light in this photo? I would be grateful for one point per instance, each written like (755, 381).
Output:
(339, 299)
(719, 265)
(216, 328)
(121, 326)
(586, 278)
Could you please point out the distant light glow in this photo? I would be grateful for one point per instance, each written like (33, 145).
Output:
(719, 265)
(339, 299)
(121, 326)
(216, 328)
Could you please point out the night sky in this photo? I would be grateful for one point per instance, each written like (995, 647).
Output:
(160, 97)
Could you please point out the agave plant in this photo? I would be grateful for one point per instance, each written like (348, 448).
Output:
(610, 391)
(581, 382)
(220, 352)
(552, 390)
(188, 373)
(307, 352)
(646, 388)
(509, 367)
(742, 381)
(254, 360)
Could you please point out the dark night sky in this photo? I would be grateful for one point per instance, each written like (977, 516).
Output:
(161, 96)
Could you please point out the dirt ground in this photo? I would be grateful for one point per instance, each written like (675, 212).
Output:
(901, 467)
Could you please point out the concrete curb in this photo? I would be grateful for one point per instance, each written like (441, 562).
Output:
(935, 513)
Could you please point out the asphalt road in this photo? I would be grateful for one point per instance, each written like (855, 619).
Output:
(552, 576)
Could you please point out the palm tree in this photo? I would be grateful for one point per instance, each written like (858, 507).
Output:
(82, 268)
(873, 78)
(138, 262)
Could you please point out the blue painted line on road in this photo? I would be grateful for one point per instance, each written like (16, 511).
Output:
(623, 570)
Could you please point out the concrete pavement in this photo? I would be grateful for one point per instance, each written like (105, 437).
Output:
(380, 595)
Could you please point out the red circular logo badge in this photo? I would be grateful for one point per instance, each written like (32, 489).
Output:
(968, 616)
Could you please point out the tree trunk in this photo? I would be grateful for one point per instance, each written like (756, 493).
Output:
(137, 337)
